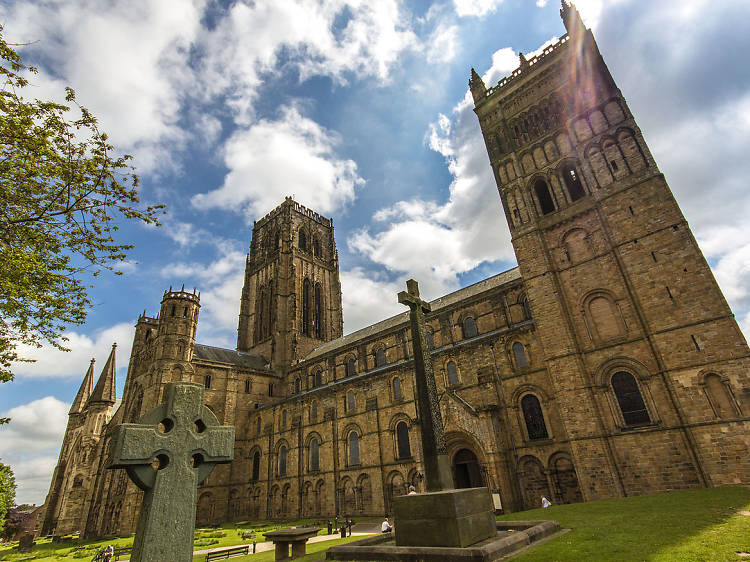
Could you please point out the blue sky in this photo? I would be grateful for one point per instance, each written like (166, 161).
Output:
(360, 111)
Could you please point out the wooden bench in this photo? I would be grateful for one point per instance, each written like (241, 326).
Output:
(223, 553)
(121, 551)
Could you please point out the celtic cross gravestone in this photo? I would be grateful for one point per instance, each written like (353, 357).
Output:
(171, 450)
(437, 466)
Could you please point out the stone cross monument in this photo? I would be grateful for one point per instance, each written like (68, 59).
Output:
(442, 517)
(171, 450)
(437, 465)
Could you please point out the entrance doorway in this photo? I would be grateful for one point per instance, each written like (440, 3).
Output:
(466, 472)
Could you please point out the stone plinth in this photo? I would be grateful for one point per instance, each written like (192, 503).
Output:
(449, 518)
(296, 537)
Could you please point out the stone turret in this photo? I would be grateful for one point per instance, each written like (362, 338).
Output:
(178, 322)
(104, 391)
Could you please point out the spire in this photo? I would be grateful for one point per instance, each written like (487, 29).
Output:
(85, 391)
(477, 87)
(104, 391)
(571, 17)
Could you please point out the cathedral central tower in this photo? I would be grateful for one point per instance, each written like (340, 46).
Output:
(291, 299)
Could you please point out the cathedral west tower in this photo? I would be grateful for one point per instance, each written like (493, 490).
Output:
(633, 326)
(291, 298)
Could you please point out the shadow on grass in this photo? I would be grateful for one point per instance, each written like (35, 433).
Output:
(701, 524)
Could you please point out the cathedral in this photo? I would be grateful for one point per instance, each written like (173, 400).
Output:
(607, 364)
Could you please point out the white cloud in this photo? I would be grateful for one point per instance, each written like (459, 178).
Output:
(35, 426)
(51, 362)
(367, 298)
(476, 8)
(541, 3)
(30, 443)
(273, 159)
(443, 43)
(434, 242)
(33, 475)
(126, 62)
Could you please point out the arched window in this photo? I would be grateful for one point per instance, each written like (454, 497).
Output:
(316, 247)
(207, 381)
(317, 378)
(452, 372)
(397, 395)
(534, 418)
(469, 327)
(318, 311)
(380, 357)
(276, 240)
(256, 466)
(283, 419)
(282, 460)
(247, 386)
(260, 331)
(302, 240)
(270, 389)
(629, 398)
(257, 426)
(314, 412)
(353, 448)
(544, 196)
(402, 441)
(526, 308)
(430, 339)
(172, 310)
(351, 367)
(306, 307)
(519, 354)
(720, 397)
(296, 385)
(351, 402)
(572, 182)
(314, 456)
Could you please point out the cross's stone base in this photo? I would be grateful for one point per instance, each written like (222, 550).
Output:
(511, 537)
(449, 518)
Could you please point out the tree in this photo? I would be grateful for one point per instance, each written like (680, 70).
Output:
(63, 193)
(7, 491)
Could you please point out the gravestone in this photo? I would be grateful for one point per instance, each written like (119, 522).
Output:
(171, 450)
(442, 517)
(25, 543)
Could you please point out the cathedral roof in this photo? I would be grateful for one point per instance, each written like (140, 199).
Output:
(104, 391)
(84, 391)
(239, 358)
(437, 304)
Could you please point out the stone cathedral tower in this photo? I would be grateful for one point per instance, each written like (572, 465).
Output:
(291, 299)
(627, 311)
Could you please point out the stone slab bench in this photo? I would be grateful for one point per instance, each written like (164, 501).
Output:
(297, 538)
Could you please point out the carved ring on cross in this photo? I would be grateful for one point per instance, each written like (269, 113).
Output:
(144, 476)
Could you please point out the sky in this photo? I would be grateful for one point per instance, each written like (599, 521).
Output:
(359, 110)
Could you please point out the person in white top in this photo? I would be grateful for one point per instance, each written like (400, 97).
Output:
(412, 491)
(545, 502)
(385, 527)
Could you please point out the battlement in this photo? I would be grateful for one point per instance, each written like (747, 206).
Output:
(526, 66)
(147, 319)
(182, 294)
(301, 209)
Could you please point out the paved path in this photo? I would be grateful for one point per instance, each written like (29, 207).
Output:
(358, 529)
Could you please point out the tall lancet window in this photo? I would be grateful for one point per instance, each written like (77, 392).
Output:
(318, 311)
(306, 307)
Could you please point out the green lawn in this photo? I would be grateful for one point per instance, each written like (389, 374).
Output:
(691, 525)
(315, 551)
(229, 534)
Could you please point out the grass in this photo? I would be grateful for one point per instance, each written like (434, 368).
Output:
(315, 551)
(691, 525)
(229, 534)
